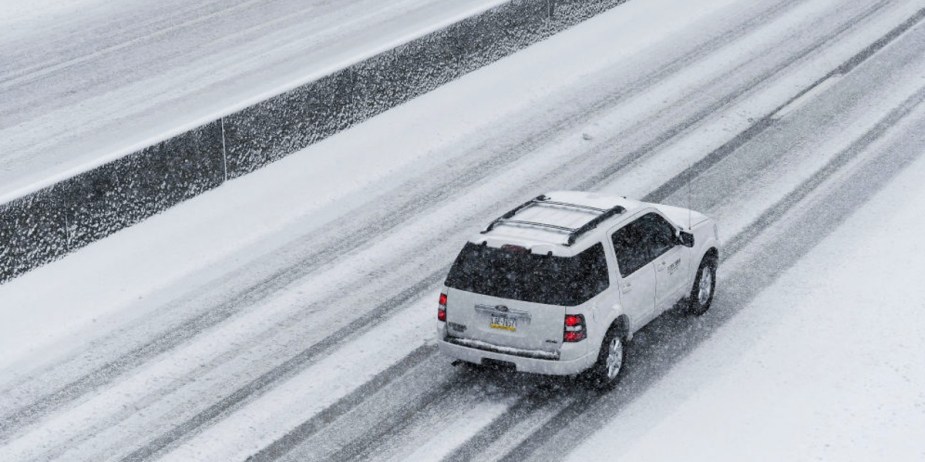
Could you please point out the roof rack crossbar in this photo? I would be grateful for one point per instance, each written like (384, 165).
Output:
(573, 233)
(535, 224)
(535, 200)
(585, 208)
(593, 223)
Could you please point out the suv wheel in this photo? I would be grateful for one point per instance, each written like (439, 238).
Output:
(610, 360)
(704, 285)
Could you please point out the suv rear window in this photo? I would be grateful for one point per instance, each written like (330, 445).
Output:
(529, 277)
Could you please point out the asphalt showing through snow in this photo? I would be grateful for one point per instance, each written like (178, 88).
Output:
(536, 402)
(667, 341)
(664, 342)
(376, 315)
(318, 250)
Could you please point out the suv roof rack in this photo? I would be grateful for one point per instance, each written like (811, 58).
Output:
(542, 200)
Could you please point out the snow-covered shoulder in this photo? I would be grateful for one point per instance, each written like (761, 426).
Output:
(825, 364)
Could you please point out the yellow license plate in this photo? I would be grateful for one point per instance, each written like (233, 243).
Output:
(503, 323)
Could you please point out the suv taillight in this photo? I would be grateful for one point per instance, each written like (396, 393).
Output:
(441, 308)
(575, 330)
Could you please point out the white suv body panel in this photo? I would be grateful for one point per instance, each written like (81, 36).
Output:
(539, 326)
(637, 298)
(570, 363)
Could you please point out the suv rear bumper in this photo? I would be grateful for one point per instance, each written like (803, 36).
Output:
(523, 364)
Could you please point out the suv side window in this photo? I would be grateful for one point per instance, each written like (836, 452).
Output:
(658, 234)
(630, 248)
(592, 277)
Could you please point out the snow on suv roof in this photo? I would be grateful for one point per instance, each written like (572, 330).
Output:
(555, 221)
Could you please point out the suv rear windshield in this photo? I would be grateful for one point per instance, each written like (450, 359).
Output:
(521, 275)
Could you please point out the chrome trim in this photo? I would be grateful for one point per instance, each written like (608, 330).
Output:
(502, 310)
(534, 224)
(520, 352)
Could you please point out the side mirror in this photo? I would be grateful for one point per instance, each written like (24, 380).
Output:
(686, 239)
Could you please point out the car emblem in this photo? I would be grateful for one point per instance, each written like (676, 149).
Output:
(502, 308)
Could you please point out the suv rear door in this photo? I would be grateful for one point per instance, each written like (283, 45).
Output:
(637, 285)
(511, 298)
(503, 322)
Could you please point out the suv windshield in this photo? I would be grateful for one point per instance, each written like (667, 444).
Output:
(520, 275)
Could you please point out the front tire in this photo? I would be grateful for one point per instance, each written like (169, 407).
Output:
(611, 358)
(704, 287)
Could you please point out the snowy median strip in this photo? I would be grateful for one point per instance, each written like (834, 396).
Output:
(51, 217)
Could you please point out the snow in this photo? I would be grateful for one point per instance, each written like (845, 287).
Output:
(447, 436)
(826, 364)
(268, 418)
(872, 99)
(768, 376)
(19, 17)
(87, 82)
(248, 216)
(687, 150)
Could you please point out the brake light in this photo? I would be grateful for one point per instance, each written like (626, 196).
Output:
(514, 248)
(441, 308)
(574, 329)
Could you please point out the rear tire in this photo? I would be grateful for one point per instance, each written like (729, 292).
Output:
(606, 372)
(704, 287)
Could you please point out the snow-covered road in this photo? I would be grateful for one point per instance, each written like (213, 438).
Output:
(814, 368)
(288, 314)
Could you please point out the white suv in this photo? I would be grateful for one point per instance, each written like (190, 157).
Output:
(559, 284)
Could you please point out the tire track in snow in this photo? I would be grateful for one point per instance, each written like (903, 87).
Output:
(760, 126)
(493, 431)
(347, 403)
(381, 220)
(394, 423)
(294, 364)
(722, 152)
(767, 121)
(815, 224)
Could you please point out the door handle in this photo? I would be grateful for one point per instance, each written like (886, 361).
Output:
(661, 266)
(626, 288)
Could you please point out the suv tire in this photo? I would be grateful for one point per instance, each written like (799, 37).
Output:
(611, 359)
(704, 286)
